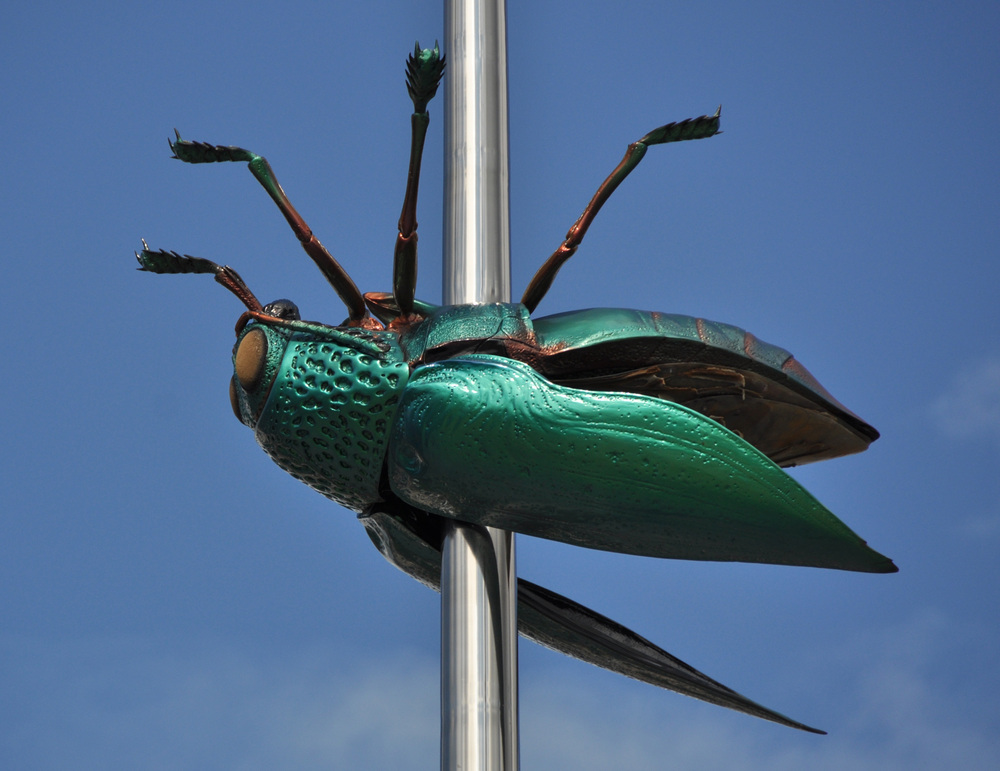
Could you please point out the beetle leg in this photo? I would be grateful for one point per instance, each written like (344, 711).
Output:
(162, 261)
(693, 128)
(201, 152)
(424, 69)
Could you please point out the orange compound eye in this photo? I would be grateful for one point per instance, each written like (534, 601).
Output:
(251, 355)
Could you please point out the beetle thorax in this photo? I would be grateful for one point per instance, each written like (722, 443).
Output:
(327, 415)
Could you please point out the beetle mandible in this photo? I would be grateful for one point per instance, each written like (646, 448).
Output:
(640, 432)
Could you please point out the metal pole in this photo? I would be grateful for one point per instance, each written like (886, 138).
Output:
(479, 724)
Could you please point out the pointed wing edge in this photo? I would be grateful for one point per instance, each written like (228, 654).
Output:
(568, 627)
(412, 544)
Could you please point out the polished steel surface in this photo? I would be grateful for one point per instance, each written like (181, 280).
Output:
(479, 723)
(476, 229)
(478, 649)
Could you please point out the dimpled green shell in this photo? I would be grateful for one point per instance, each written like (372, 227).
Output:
(327, 418)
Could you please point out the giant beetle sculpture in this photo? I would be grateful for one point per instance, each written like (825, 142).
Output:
(639, 432)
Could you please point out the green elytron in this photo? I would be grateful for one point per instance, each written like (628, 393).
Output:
(631, 431)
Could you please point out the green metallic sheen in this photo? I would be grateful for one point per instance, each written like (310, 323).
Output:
(325, 411)
(423, 75)
(594, 326)
(252, 403)
(758, 390)
(586, 328)
(454, 413)
(455, 327)
(633, 431)
(488, 440)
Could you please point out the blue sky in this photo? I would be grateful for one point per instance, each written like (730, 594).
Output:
(170, 599)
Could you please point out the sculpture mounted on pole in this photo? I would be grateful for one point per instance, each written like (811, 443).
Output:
(631, 431)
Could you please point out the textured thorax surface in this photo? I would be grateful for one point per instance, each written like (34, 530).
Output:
(328, 415)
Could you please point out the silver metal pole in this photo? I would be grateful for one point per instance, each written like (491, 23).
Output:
(477, 214)
(479, 723)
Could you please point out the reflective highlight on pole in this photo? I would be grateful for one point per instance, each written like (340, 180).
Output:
(479, 723)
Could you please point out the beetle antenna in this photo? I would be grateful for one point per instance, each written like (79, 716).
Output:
(162, 261)
(693, 128)
(201, 152)
(424, 69)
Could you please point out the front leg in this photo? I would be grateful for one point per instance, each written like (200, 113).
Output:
(201, 152)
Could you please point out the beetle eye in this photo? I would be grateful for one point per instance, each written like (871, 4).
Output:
(251, 356)
(283, 309)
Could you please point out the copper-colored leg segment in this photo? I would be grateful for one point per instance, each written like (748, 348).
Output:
(694, 128)
(200, 152)
(424, 69)
(404, 263)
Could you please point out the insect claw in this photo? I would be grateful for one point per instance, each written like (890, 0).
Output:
(173, 144)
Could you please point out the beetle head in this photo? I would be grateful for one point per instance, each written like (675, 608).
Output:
(319, 399)
(264, 333)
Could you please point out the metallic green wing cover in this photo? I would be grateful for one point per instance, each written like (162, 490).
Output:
(488, 440)
(754, 388)
(757, 390)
